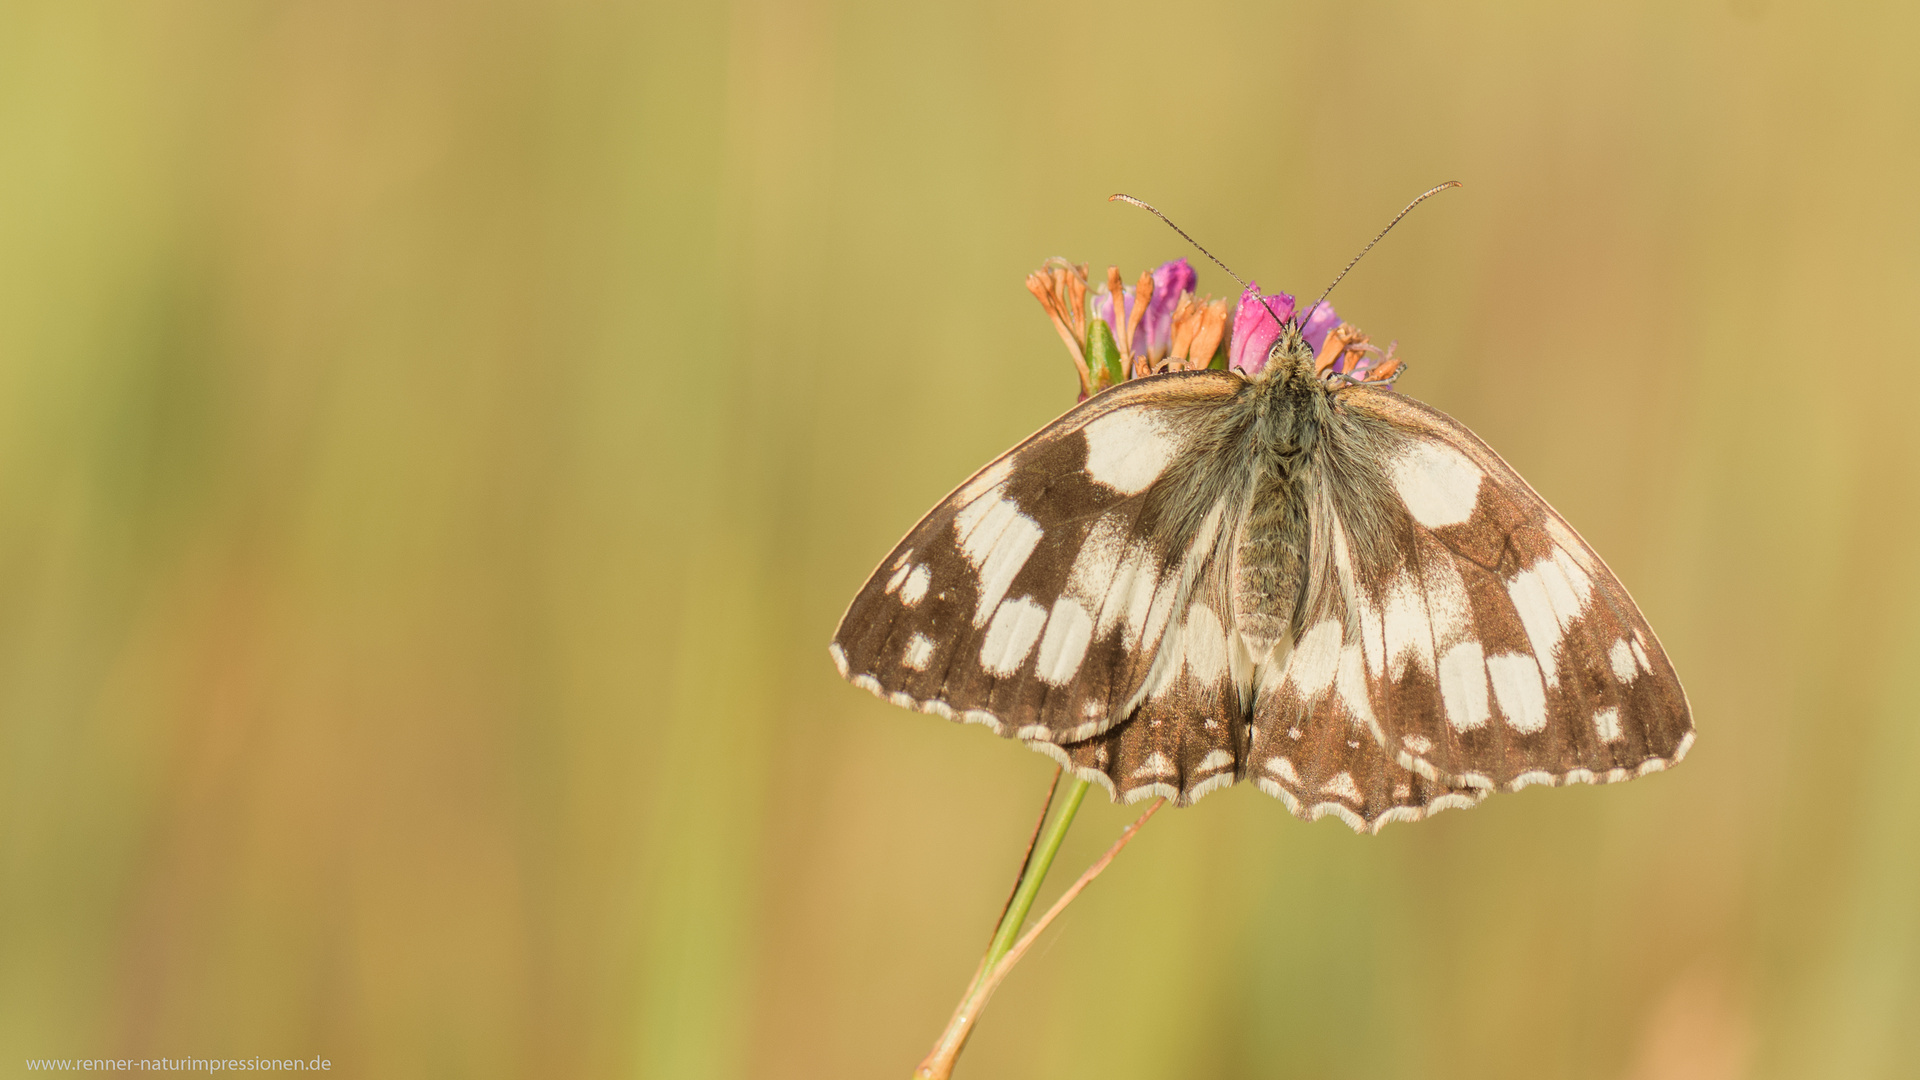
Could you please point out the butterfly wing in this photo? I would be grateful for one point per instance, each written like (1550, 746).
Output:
(1037, 598)
(1327, 761)
(1456, 636)
(1188, 734)
(1462, 627)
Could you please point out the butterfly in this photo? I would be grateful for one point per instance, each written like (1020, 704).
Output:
(1294, 578)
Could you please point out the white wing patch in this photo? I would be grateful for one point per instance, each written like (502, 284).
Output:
(1128, 449)
(1407, 630)
(1516, 686)
(1315, 659)
(1101, 556)
(1156, 765)
(1463, 687)
(1162, 617)
(1436, 482)
(1010, 637)
(1153, 621)
(916, 585)
(1342, 785)
(1201, 647)
(1120, 582)
(1204, 642)
(1621, 657)
(1352, 684)
(1372, 624)
(899, 575)
(919, 652)
(1069, 631)
(997, 539)
(1549, 596)
(1131, 598)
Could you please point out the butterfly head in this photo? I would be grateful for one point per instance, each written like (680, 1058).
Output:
(1340, 358)
(1289, 356)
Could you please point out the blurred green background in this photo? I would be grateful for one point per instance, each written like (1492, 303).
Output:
(437, 440)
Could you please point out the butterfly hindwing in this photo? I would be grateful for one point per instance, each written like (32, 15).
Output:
(1188, 735)
(1034, 599)
(1327, 760)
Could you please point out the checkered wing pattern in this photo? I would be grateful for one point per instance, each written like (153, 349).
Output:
(1460, 638)
(1448, 633)
(1037, 598)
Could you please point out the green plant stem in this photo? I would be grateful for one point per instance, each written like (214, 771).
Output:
(939, 1061)
(1028, 890)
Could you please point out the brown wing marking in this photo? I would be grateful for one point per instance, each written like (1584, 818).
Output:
(1315, 743)
(1536, 665)
(1188, 736)
(1034, 598)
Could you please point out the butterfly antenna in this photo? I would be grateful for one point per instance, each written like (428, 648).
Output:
(1424, 196)
(1265, 301)
(1148, 207)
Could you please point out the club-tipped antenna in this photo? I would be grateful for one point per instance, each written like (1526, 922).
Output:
(1148, 207)
(1324, 293)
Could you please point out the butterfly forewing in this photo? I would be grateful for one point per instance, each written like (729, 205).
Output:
(1498, 649)
(1036, 598)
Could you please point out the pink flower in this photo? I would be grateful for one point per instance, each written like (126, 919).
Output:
(1257, 323)
(1176, 330)
(1172, 282)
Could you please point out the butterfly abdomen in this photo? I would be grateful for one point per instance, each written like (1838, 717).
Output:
(1270, 562)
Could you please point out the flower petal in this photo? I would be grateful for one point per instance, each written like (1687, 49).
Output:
(1171, 282)
(1256, 324)
(1319, 321)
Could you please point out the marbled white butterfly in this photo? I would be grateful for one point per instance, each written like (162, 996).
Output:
(1286, 575)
